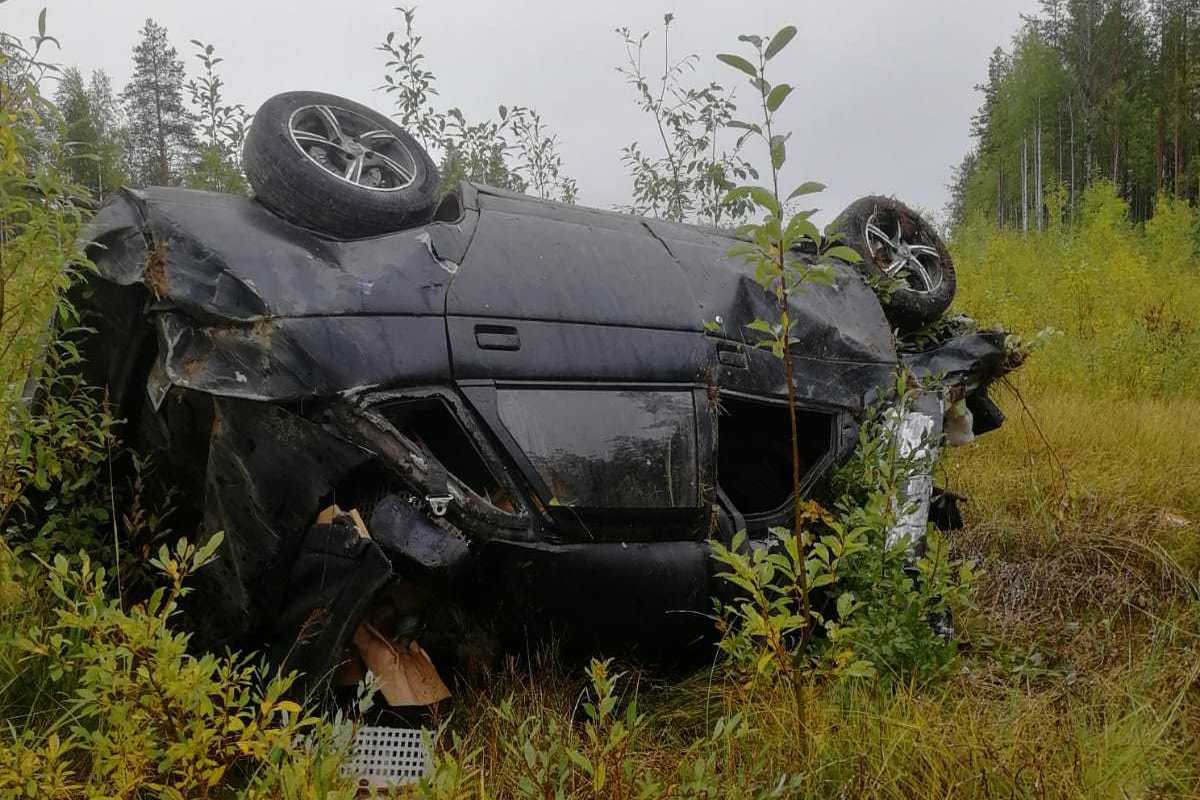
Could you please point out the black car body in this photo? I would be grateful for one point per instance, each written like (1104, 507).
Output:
(520, 397)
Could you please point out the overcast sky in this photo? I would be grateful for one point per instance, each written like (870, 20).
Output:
(884, 90)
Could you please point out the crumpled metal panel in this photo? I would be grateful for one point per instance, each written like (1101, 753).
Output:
(247, 305)
(291, 358)
(267, 470)
(229, 258)
(839, 323)
(971, 360)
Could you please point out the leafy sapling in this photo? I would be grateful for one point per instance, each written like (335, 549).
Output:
(223, 128)
(687, 175)
(785, 252)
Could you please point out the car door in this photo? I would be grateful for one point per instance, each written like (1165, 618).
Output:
(611, 462)
(607, 462)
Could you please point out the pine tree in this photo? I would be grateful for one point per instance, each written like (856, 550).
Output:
(114, 141)
(161, 138)
(91, 131)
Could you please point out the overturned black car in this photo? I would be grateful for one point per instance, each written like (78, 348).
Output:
(489, 401)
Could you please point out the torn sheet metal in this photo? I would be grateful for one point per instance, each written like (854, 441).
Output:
(409, 537)
(971, 360)
(266, 473)
(332, 583)
(290, 358)
(918, 432)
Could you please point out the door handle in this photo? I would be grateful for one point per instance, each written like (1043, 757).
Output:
(497, 337)
(732, 355)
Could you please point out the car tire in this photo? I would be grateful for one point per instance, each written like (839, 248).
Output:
(336, 166)
(896, 242)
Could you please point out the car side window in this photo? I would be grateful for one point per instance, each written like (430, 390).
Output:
(754, 451)
(607, 448)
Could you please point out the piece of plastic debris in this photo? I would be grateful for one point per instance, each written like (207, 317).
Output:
(382, 757)
(917, 430)
(959, 424)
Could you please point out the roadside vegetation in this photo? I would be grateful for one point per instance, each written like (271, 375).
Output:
(1075, 584)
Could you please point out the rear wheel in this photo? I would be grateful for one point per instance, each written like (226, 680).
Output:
(334, 165)
(904, 254)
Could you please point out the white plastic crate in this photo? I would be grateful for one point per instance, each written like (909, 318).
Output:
(381, 757)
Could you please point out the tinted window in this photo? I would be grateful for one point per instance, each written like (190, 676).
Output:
(607, 449)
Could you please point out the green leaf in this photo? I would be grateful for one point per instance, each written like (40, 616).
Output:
(777, 96)
(808, 187)
(801, 228)
(762, 326)
(763, 197)
(743, 250)
(746, 126)
(734, 195)
(780, 41)
(847, 254)
(845, 605)
(581, 761)
(778, 151)
(737, 62)
(824, 579)
(42, 23)
(821, 276)
(860, 669)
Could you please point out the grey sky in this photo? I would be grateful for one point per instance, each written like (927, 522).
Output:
(883, 90)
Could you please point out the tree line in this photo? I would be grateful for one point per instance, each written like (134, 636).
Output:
(164, 128)
(1090, 90)
(170, 127)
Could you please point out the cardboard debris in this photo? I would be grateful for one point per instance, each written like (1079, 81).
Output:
(328, 515)
(405, 673)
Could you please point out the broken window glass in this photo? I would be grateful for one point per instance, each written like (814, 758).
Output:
(631, 449)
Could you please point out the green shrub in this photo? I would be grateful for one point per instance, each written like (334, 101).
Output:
(1171, 234)
(128, 711)
(1120, 301)
(874, 602)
